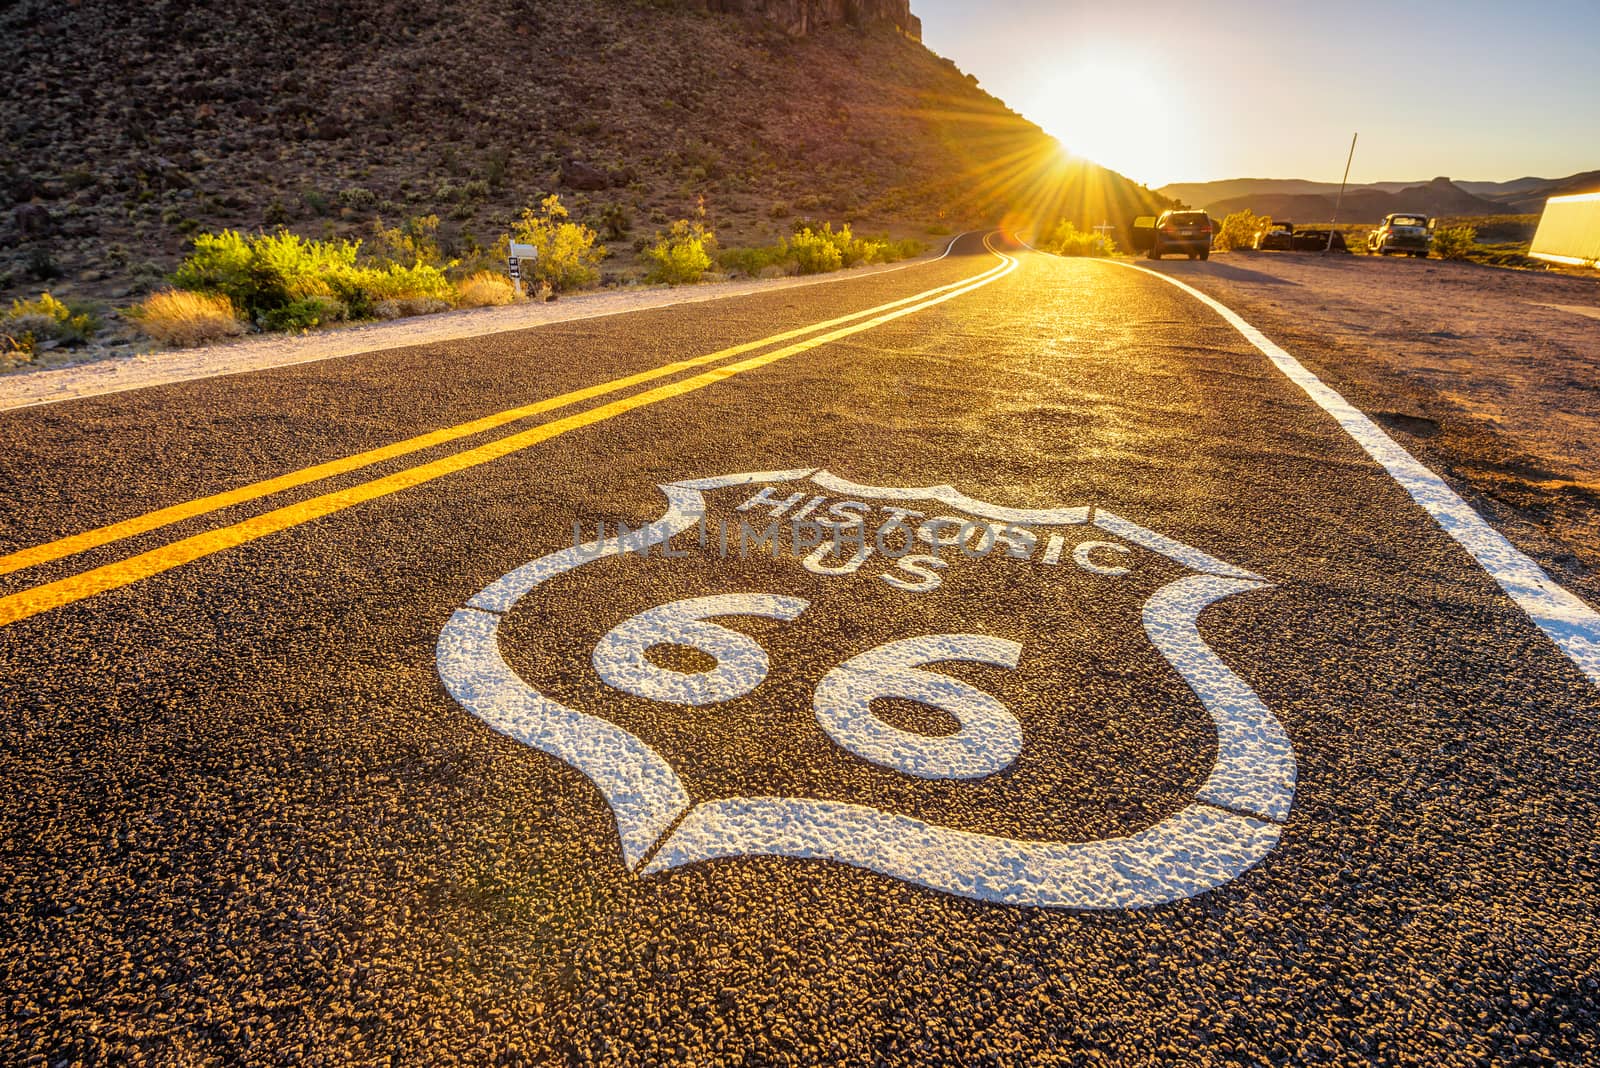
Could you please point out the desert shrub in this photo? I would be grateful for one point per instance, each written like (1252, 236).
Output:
(760, 261)
(568, 256)
(485, 289)
(683, 254)
(894, 251)
(780, 209)
(49, 319)
(285, 282)
(815, 253)
(1454, 242)
(16, 351)
(357, 198)
(616, 220)
(414, 241)
(177, 317)
(1239, 229)
(308, 313)
(406, 307)
(40, 265)
(817, 249)
(396, 282)
(1067, 240)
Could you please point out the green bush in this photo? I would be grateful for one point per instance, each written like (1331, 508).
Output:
(1455, 242)
(568, 257)
(1239, 229)
(305, 313)
(817, 249)
(48, 319)
(815, 253)
(683, 254)
(285, 282)
(1067, 240)
(414, 241)
(763, 259)
(617, 221)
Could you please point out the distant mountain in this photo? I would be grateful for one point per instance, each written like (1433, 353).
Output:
(1529, 198)
(1300, 200)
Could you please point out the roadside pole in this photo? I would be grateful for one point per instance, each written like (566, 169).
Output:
(1340, 199)
(1104, 230)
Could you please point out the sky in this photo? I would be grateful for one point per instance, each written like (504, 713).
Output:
(1165, 91)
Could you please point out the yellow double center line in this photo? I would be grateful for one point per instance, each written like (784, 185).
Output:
(65, 591)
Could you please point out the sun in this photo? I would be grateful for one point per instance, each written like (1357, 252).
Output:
(1117, 116)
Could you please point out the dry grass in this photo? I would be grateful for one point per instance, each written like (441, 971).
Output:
(177, 317)
(408, 307)
(486, 289)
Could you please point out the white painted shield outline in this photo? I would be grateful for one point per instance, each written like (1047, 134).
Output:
(1232, 824)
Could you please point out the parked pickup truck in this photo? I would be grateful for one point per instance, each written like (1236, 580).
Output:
(1404, 233)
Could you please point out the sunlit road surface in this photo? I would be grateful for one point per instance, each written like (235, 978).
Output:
(1228, 739)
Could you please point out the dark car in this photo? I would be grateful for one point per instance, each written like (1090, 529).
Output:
(1317, 241)
(1276, 236)
(1188, 232)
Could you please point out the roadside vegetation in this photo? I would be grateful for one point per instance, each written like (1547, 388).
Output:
(1067, 240)
(683, 254)
(34, 326)
(179, 317)
(232, 282)
(1238, 230)
(568, 257)
(1454, 242)
(814, 248)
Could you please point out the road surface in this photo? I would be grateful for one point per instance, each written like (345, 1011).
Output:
(1137, 705)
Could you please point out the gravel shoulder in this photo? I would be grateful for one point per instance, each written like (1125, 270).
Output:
(1491, 376)
(96, 377)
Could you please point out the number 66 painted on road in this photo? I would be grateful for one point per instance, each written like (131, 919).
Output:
(990, 736)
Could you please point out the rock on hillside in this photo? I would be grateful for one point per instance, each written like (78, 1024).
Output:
(800, 17)
(133, 126)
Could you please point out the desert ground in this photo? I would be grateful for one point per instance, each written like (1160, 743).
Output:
(1491, 375)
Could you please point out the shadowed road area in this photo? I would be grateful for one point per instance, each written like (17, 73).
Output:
(1211, 748)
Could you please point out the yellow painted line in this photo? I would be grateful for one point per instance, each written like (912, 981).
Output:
(66, 591)
(127, 528)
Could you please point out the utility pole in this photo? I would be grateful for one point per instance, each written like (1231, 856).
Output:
(1340, 200)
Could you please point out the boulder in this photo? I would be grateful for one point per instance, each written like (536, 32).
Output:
(576, 174)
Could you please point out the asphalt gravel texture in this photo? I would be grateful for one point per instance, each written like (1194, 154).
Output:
(243, 821)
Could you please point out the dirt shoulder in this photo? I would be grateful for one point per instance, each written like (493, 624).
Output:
(1490, 376)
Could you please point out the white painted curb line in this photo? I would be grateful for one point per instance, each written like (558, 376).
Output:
(1567, 620)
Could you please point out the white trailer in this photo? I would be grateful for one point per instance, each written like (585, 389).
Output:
(1569, 231)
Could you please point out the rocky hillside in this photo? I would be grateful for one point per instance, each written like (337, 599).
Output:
(131, 127)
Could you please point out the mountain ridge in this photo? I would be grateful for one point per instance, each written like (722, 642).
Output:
(143, 125)
(1314, 201)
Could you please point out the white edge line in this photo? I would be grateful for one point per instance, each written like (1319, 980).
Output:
(380, 346)
(1570, 623)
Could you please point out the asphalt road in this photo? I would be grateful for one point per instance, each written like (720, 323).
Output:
(302, 779)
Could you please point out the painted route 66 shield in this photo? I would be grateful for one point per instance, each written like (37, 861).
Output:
(1013, 705)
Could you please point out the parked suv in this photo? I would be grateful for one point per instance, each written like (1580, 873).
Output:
(1188, 232)
(1402, 232)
